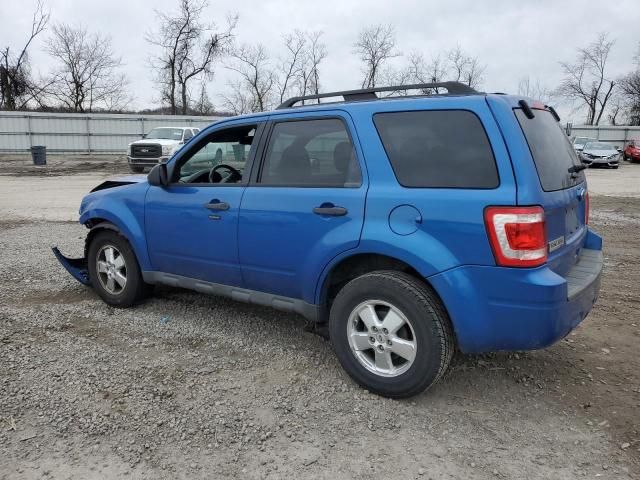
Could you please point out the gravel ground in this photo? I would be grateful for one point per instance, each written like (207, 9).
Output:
(190, 386)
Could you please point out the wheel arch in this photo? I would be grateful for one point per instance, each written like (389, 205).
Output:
(346, 268)
(96, 224)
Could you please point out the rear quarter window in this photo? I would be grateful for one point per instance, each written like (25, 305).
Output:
(438, 149)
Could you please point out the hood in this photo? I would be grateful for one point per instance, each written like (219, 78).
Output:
(601, 153)
(120, 181)
(158, 141)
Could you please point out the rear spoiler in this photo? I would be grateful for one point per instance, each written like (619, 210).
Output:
(528, 111)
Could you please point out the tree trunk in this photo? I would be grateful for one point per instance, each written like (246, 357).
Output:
(172, 90)
(184, 97)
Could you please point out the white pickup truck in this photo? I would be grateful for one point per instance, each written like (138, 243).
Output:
(157, 146)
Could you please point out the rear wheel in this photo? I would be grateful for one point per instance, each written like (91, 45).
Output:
(114, 271)
(136, 168)
(391, 333)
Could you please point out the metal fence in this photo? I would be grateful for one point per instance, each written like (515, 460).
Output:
(619, 136)
(83, 133)
(110, 133)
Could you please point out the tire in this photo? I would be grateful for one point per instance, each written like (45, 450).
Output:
(124, 262)
(427, 327)
(136, 169)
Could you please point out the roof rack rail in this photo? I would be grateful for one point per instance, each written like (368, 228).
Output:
(455, 88)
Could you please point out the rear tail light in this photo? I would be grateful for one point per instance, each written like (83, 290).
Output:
(517, 235)
(586, 208)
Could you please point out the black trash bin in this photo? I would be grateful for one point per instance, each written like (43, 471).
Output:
(39, 155)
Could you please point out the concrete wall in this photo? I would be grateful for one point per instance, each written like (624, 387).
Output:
(93, 133)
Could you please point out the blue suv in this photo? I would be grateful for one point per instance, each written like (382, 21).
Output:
(402, 226)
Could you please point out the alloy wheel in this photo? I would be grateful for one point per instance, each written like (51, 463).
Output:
(381, 338)
(112, 269)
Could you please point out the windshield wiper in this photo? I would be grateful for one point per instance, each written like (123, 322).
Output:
(576, 168)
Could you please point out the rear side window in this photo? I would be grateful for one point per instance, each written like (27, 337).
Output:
(311, 153)
(438, 149)
(551, 150)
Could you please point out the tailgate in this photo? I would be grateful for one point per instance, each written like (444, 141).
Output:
(563, 193)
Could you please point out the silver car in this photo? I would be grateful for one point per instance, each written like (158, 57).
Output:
(600, 154)
(580, 142)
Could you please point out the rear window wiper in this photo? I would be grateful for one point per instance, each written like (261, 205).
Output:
(576, 168)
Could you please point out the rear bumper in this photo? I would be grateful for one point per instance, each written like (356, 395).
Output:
(497, 308)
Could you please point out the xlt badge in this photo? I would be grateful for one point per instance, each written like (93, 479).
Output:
(555, 244)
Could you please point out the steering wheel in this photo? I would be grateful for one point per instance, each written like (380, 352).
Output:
(215, 177)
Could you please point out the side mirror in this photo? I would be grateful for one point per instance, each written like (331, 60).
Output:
(619, 149)
(158, 176)
(144, 135)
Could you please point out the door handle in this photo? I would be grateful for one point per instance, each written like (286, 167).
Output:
(330, 210)
(216, 205)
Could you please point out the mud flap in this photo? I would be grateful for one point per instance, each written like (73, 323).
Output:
(77, 267)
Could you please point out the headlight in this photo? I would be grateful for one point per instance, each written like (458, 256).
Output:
(167, 149)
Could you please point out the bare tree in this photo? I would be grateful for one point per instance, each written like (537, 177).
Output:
(239, 100)
(375, 46)
(315, 53)
(188, 49)
(17, 87)
(630, 92)
(617, 110)
(534, 89)
(291, 67)
(465, 68)
(419, 71)
(261, 86)
(203, 105)
(456, 66)
(586, 80)
(86, 75)
(257, 79)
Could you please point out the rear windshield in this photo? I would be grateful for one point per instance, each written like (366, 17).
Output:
(552, 152)
(438, 149)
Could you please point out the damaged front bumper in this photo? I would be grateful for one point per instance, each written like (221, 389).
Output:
(77, 267)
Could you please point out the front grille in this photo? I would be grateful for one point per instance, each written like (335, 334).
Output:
(146, 150)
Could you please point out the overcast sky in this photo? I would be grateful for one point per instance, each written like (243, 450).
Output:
(512, 38)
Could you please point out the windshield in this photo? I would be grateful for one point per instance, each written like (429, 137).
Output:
(551, 150)
(598, 146)
(165, 133)
(581, 140)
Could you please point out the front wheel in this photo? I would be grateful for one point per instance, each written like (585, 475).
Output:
(114, 271)
(391, 333)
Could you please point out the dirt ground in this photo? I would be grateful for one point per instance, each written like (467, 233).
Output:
(190, 386)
